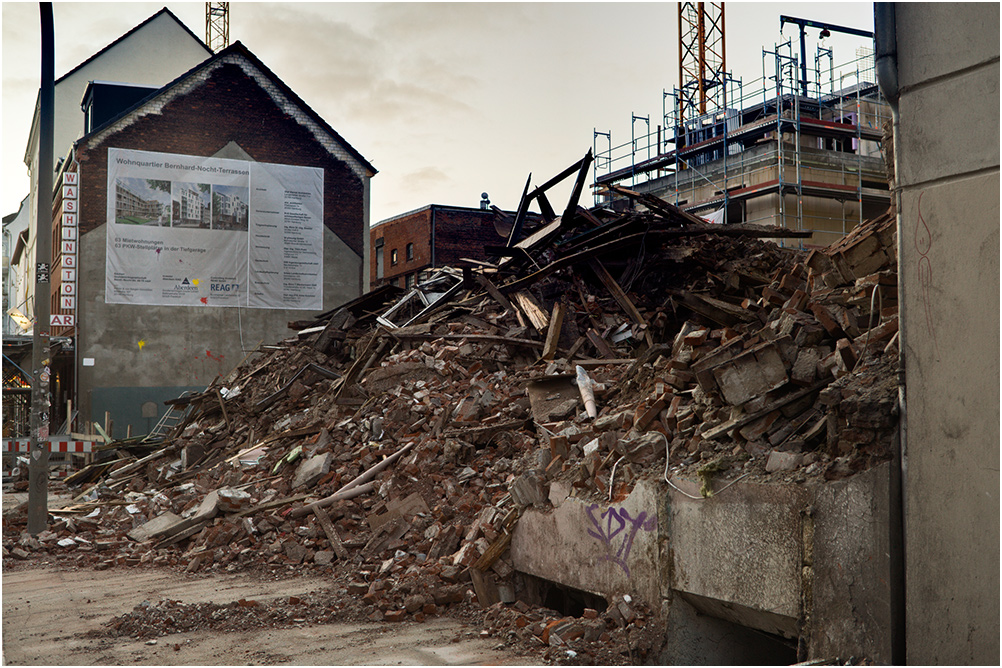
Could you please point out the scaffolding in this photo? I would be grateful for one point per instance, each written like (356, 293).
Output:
(770, 139)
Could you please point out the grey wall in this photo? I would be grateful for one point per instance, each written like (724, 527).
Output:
(947, 163)
(183, 347)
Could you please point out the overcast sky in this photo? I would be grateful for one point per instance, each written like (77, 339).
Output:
(445, 100)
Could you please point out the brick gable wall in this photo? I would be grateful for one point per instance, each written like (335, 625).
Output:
(228, 106)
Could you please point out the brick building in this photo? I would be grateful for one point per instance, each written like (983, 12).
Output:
(140, 340)
(432, 236)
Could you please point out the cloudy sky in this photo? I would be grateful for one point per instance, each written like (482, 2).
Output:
(445, 100)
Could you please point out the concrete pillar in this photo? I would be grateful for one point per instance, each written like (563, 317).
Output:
(946, 146)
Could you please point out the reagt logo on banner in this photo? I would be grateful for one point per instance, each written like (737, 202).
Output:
(224, 287)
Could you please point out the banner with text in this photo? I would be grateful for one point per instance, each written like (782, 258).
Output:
(190, 231)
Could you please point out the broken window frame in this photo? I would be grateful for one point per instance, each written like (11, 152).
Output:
(438, 288)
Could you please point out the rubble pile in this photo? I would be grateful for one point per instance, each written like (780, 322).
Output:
(395, 441)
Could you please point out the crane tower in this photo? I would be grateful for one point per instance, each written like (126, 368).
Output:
(217, 25)
(701, 58)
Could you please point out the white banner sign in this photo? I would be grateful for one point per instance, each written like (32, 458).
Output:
(192, 231)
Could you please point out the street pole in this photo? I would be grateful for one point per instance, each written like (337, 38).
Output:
(41, 367)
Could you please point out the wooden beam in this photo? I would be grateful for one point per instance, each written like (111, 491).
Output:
(553, 334)
(620, 296)
(325, 522)
(488, 338)
(600, 344)
(493, 291)
(536, 315)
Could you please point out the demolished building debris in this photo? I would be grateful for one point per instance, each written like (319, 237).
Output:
(396, 441)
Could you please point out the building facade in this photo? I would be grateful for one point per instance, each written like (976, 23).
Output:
(148, 56)
(141, 340)
(778, 155)
(432, 236)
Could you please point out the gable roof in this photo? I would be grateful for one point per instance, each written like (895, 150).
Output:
(234, 53)
(128, 34)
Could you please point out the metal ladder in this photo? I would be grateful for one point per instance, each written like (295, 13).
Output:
(168, 421)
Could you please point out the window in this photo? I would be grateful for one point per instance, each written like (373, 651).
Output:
(379, 257)
(409, 281)
(393, 256)
(410, 252)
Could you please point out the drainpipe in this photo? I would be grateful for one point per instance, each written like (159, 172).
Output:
(886, 61)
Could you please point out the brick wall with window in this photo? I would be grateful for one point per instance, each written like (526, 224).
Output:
(408, 238)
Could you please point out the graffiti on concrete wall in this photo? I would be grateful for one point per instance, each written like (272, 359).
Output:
(923, 244)
(617, 529)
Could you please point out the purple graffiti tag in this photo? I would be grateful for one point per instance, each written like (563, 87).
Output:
(607, 534)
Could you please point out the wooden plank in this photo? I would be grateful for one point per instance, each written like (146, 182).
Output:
(576, 347)
(187, 533)
(328, 527)
(653, 237)
(355, 370)
(620, 296)
(553, 333)
(483, 585)
(600, 344)
(487, 338)
(774, 405)
(222, 406)
(493, 553)
(338, 322)
(536, 315)
(493, 291)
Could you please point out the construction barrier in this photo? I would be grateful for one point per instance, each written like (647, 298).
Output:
(23, 445)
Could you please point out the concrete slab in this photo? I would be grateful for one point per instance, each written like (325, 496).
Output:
(158, 526)
(742, 548)
(605, 549)
(848, 619)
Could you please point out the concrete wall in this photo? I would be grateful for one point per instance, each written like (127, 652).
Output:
(737, 555)
(599, 548)
(947, 164)
(183, 347)
(852, 569)
(745, 576)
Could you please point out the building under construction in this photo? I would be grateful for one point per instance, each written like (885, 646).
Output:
(798, 146)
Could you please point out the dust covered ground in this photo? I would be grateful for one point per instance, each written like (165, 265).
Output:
(55, 616)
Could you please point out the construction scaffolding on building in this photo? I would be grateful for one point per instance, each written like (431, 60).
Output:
(764, 151)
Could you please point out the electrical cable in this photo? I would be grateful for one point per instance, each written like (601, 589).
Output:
(683, 492)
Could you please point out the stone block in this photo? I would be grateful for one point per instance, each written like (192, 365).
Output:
(233, 500)
(783, 461)
(758, 370)
(159, 526)
(311, 470)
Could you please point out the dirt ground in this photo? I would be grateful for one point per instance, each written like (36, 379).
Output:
(53, 616)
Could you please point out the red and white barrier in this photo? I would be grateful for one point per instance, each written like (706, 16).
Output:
(23, 445)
